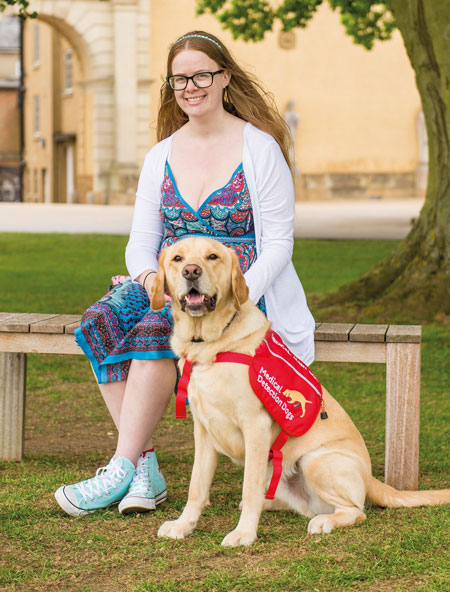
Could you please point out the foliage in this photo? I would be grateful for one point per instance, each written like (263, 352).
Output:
(21, 4)
(365, 20)
(248, 19)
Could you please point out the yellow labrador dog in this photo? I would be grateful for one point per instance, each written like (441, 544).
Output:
(326, 472)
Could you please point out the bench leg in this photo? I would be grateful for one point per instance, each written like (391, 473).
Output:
(402, 415)
(12, 405)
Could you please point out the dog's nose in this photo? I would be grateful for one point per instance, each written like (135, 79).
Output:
(192, 272)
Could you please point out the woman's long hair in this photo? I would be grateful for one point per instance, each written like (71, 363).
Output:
(244, 96)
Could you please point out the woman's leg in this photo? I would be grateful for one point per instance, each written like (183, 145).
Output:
(136, 406)
(146, 393)
(148, 389)
(113, 393)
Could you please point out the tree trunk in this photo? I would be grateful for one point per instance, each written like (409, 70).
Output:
(414, 282)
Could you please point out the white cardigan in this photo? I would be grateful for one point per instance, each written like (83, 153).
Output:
(272, 194)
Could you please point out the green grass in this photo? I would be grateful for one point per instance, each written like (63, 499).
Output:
(57, 272)
(65, 273)
(69, 434)
(324, 266)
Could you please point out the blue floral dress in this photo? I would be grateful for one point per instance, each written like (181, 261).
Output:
(122, 326)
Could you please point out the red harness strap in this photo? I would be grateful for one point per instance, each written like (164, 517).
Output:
(277, 462)
(180, 401)
(275, 454)
(234, 357)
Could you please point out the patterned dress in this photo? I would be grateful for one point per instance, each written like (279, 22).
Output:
(122, 326)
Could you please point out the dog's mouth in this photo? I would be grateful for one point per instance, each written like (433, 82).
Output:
(196, 303)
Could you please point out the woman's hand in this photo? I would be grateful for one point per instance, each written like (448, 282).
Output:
(146, 279)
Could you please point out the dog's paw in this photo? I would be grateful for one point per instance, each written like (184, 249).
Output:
(322, 524)
(236, 537)
(174, 529)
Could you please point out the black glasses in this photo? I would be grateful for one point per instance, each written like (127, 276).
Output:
(201, 80)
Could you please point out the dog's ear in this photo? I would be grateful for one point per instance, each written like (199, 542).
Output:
(239, 287)
(157, 301)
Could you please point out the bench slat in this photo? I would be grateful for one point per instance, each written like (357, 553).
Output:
(7, 315)
(404, 334)
(55, 324)
(20, 322)
(346, 351)
(368, 333)
(333, 332)
(39, 343)
(70, 328)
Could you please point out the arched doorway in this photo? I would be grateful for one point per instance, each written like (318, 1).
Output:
(106, 44)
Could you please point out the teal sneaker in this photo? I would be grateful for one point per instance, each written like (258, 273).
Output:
(107, 487)
(148, 488)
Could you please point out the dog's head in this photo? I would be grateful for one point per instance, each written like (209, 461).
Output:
(200, 274)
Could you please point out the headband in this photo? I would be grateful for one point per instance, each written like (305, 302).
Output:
(199, 36)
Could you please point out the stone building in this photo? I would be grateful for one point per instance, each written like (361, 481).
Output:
(10, 110)
(354, 113)
(55, 113)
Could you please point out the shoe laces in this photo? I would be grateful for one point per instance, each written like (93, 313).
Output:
(106, 478)
(141, 478)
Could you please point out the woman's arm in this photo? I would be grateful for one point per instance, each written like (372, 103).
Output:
(147, 229)
(276, 198)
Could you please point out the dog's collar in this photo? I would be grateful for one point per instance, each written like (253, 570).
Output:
(198, 340)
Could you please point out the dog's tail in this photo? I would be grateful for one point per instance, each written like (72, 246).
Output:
(386, 496)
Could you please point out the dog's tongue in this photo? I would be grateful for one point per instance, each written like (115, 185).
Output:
(194, 298)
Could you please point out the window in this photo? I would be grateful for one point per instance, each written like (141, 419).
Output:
(68, 71)
(36, 46)
(45, 197)
(37, 116)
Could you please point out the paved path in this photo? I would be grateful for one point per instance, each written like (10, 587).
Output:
(353, 219)
(356, 219)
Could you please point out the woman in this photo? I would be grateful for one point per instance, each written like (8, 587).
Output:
(213, 120)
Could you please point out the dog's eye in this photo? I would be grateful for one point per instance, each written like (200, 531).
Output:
(177, 258)
(213, 256)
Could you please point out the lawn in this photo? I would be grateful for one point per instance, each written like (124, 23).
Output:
(66, 273)
(69, 434)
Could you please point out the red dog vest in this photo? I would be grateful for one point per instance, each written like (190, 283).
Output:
(283, 383)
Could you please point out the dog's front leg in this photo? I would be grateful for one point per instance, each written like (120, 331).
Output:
(257, 445)
(205, 463)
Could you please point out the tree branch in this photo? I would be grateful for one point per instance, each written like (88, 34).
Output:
(364, 20)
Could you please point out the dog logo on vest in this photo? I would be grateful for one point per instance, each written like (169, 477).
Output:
(297, 399)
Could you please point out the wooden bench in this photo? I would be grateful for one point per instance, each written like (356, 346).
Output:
(397, 346)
